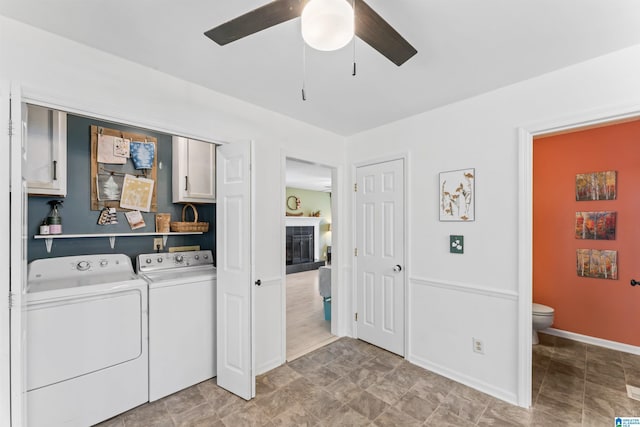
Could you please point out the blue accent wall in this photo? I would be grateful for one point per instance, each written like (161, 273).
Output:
(78, 218)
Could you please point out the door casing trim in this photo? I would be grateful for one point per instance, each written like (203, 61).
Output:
(526, 133)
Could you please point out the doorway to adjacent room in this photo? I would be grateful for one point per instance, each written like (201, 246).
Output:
(308, 214)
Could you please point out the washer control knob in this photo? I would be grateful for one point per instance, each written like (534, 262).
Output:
(197, 257)
(104, 263)
(83, 265)
(148, 261)
(206, 256)
(160, 259)
(179, 258)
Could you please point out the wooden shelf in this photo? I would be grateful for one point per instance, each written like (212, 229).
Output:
(48, 238)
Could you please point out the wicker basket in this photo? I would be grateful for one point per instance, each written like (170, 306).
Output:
(182, 226)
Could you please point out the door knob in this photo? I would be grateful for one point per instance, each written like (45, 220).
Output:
(258, 282)
(397, 268)
(634, 282)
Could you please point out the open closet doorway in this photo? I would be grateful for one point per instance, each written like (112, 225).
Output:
(308, 214)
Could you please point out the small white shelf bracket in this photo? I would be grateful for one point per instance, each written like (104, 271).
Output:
(112, 241)
(48, 243)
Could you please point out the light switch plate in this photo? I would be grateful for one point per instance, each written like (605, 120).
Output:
(456, 244)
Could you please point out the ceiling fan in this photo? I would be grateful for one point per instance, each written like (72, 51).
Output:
(369, 26)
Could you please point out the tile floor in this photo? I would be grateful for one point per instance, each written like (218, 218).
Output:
(351, 383)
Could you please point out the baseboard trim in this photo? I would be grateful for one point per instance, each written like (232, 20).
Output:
(496, 392)
(613, 345)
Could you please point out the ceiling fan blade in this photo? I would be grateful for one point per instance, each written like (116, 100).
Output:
(381, 36)
(271, 14)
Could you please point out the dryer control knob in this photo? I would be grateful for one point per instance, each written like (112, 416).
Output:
(159, 259)
(197, 257)
(179, 258)
(83, 265)
(148, 261)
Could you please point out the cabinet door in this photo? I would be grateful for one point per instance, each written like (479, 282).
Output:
(194, 174)
(201, 158)
(46, 151)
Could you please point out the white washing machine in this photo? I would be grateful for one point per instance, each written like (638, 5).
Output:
(182, 319)
(87, 346)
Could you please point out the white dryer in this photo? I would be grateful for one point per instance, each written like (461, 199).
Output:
(182, 319)
(87, 340)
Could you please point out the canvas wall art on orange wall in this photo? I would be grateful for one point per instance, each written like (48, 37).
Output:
(598, 264)
(596, 186)
(596, 225)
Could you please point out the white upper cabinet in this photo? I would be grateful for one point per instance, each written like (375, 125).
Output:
(46, 144)
(194, 171)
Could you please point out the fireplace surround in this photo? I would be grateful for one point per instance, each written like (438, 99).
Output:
(302, 244)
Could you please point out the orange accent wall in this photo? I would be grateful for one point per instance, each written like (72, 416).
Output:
(607, 309)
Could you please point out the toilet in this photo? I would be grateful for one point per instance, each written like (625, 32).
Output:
(542, 319)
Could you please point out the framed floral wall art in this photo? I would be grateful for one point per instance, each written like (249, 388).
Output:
(457, 195)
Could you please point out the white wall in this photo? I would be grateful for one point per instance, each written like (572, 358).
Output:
(77, 78)
(453, 298)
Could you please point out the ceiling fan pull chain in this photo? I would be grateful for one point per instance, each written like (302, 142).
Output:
(354, 57)
(354, 38)
(304, 71)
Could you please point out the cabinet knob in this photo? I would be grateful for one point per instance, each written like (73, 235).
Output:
(186, 183)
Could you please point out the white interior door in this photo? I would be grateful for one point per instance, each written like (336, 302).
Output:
(13, 252)
(234, 253)
(380, 271)
(5, 332)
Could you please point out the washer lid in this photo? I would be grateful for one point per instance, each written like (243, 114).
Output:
(542, 309)
(60, 290)
(106, 281)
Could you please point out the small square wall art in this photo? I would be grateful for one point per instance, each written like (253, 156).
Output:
(596, 225)
(457, 195)
(598, 264)
(596, 186)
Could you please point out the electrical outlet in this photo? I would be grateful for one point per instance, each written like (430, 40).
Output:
(478, 346)
(157, 244)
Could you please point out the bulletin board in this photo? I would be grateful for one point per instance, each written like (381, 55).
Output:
(109, 176)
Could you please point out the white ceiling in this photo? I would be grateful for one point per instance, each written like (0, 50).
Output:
(308, 176)
(465, 48)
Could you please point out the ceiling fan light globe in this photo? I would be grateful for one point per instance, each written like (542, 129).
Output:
(327, 24)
